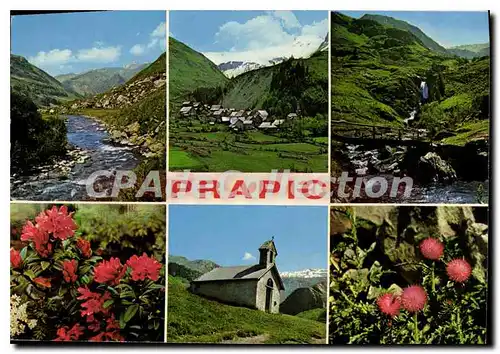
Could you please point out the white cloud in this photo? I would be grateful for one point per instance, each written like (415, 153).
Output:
(99, 55)
(160, 30)
(157, 39)
(137, 49)
(51, 58)
(316, 29)
(288, 18)
(248, 256)
(256, 33)
(276, 34)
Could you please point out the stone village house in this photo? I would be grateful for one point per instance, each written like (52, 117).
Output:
(257, 286)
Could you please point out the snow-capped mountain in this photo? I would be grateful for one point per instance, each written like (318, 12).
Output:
(324, 45)
(235, 68)
(236, 63)
(306, 273)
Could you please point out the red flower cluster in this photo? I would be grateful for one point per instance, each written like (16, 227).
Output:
(15, 258)
(112, 331)
(389, 304)
(39, 237)
(459, 270)
(69, 271)
(44, 282)
(57, 222)
(144, 267)
(63, 334)
(414, 298)
(84, 247)
(431, 248)
(109, 272)
(94, 301)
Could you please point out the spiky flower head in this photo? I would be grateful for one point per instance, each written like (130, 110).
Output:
(459, 270)
(389, 304)
(431, 248)
(414, 298)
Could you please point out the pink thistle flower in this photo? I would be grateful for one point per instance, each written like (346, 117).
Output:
(389, 304)
(431, 248)
(414, 298)
(459, 270)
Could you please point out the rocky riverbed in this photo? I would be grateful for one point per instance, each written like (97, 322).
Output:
(441, 174)
(90, 149)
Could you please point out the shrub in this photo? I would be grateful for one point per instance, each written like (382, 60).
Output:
(33, 140)
(62, 290)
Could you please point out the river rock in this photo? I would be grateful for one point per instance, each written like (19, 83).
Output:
(432, 168)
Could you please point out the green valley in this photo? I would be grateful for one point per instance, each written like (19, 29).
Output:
(97, 81)
(274, 117)
(44, 90)
(391, 82)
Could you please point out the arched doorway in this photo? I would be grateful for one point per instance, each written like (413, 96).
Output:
(269, 294)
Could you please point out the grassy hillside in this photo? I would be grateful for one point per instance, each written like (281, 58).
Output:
(200, 265)
(402, 25)
(314, 315)
(377, 70)
(283, 88)
(192, 318)
(189, 70)
(26, 79)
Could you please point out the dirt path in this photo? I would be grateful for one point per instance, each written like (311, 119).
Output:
(260, 339)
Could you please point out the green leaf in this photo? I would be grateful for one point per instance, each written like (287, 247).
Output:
(30, 274)
(108, 303)
(130, 313)
(45, 265)
(23, 252)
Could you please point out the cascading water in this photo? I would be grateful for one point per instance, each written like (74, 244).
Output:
(91, 136)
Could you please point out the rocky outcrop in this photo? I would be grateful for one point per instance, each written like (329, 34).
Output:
(132, 136)
(304, 299)
(398, 230)
(432, 168)
(125, 95)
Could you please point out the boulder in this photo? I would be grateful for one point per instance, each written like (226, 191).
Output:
(398, 231)
(304, 299)
(432, 168)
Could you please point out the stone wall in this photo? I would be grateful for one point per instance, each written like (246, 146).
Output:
(241, 292)
(261, 293)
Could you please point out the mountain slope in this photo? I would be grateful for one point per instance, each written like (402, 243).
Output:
(189, 70)
(283, 88)
(470, 51)
(417, 32)
(200, 265)
(377, 71)
(26, 79)
(135, 111)
(98, 81)
(192, 318)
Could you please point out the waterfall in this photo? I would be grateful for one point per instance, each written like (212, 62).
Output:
(424, 91)
(411, 117)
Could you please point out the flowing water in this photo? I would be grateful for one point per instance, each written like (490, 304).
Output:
(358, 159)
(91, 136)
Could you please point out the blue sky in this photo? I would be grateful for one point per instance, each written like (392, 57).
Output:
(448, 28)
(78, 42)
(248, 35)
(228, 235)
